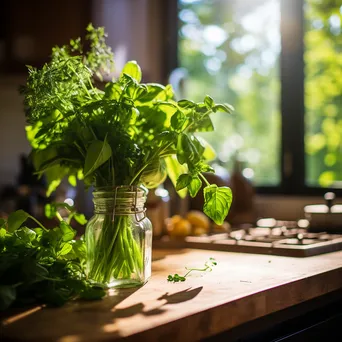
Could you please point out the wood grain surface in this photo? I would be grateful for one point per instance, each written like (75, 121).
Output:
(241, 288)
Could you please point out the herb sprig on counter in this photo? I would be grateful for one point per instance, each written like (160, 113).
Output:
(208, 266)
(40, 265)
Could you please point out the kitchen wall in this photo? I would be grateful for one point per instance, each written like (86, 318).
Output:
(13, 140)
(133, 33)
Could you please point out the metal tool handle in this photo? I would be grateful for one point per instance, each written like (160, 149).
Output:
(329, 199)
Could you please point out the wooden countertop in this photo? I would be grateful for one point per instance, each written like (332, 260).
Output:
(241, 288)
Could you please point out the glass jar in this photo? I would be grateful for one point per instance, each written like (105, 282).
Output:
(119, 238)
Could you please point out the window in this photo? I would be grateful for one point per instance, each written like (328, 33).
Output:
(254, 54)
(323, 92)
(230, 50)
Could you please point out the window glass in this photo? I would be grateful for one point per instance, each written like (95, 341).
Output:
(230, 50)
(323, 92)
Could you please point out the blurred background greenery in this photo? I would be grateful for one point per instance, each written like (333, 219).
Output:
(232, 49)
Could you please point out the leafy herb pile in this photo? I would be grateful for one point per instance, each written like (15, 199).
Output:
(208, 266)
(42, 266)
(128, 133)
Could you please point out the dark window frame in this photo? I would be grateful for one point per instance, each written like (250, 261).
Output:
(292, 74)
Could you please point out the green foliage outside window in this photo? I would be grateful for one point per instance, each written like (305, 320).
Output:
(231, 50)
(323, 92)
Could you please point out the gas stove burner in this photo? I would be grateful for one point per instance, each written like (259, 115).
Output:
(270, 236)
(273, 223)
(299, 242)
(280, 240)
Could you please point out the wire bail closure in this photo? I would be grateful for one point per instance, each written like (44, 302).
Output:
(136, 210)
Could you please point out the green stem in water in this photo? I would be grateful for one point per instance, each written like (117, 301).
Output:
(114, 254)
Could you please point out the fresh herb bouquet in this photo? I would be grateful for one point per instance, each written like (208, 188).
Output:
(126, 134)
(40, 265)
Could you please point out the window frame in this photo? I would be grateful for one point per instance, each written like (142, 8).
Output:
(292, 94)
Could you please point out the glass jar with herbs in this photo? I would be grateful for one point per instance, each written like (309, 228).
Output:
(117, 137)
(119, 237)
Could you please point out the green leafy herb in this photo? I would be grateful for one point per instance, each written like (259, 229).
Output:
(16, 219)
(215, 202)
(208, 266)
(40, 265)
(97, 154)
(129, 133)
(132, 69)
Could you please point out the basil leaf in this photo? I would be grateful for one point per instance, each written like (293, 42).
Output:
(183, 181)
(140, 91)
(168, 108)
(80, 249)
(186, 150)
(39, 157)
(2, 222)
(169, 93)
(50, 211)
(16, 219)
(186, 104)
(113, 91)
(38, 231)
(198, 144)
(209, 102)
(80, 218)
(65, 249)
(206, 168)
(177, 120)
(132, 69)
(67, 232)
(25, 234)
(194, 186)
(174, 170)
(97, 154)
(227, 108)
(203, 124)
(217, 201)
(155, 91)
(2, 233)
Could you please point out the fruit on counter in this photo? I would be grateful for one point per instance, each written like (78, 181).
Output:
(198, 231)
(195, 223)
(198, 219)
(178, 227)
(172, 221)
(224, 227)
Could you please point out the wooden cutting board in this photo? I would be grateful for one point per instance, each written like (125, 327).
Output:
(241, 288)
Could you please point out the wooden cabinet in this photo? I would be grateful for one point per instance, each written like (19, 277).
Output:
(29, 29)
(315, 320)
(137, 29)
